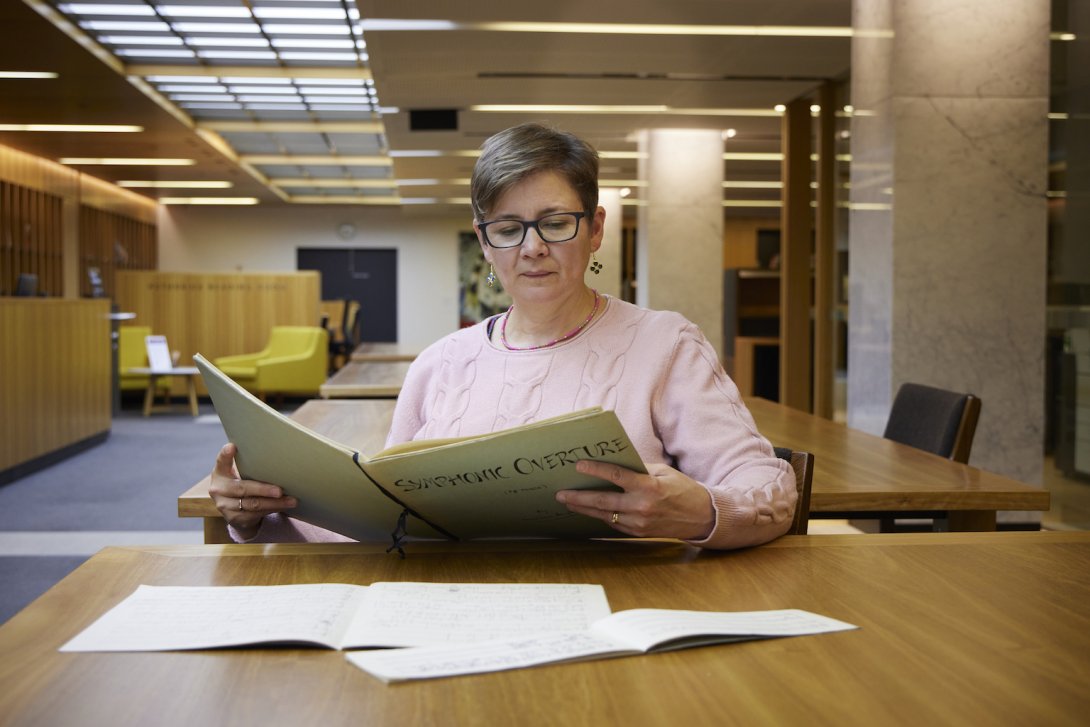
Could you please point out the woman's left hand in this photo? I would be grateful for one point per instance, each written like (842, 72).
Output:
(663, 503)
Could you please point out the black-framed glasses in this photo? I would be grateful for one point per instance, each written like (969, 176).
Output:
(557, 227)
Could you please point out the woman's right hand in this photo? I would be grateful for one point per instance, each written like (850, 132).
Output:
(243, 503)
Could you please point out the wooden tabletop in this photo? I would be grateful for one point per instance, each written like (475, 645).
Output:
(855, 471)
(955, 628)
(366, 380)
(386, 352)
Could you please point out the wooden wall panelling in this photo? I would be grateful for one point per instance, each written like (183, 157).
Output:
(30, 229)
(111, 241)
(218, 314)
(55, 391)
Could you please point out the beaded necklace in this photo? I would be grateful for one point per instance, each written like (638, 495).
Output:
(565, 337)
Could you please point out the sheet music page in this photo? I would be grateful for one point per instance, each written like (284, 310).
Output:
(418, 614)
(165, 618)
(644, 628)
(430, 662)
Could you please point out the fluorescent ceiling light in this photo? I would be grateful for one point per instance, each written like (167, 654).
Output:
(92, 128)
(434, 153)
(269, 81)
(266, 98)
(140, 40)
(321, 56)
(204, 11)
(337, 99)
(338, 127)
(617, 109)
(301, 29)
(208, 41)
(314, 43)
(178, 184)
(276, 106)
(208, 200)
(138, 26)
(125, 161)
(194, 27)
(788, 31)
(753, 156)
(1062, 36)
(347, 199)
(341, 91)
(200, 97)
(337, 183)
(103, 9)
(249, 55)
(155, 53)
(752, 203)
(432, 182)
(318, 160)
(182, 79)
(621, 155)
(301, 13)
(211, 105)
(27, 74)
(193, 88)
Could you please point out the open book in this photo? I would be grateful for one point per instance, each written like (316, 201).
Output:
(339, 615)
(500, 484)
(624, 633)
(453, 628)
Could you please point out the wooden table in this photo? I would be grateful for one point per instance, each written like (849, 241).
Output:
(189, 373)
(366, 380)
(956, 628)
(861, 475)
(386, 352)
(856, 474)
(360, 423)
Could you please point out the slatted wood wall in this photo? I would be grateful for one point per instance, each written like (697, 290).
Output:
(30, 238)
(111, 242)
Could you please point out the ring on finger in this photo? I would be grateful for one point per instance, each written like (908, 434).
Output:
(614, 518)
(240, 503)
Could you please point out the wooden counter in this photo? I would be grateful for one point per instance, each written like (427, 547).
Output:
(55, 387)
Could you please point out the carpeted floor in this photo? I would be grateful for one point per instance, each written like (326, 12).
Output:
(124, 491)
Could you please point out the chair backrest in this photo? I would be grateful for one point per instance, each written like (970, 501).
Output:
(935, 420)
(348, 325)
(131, 351)
(293, 340)
(803, 465)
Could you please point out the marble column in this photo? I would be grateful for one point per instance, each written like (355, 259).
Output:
(948, 223)
(679, 262)
(608, 281)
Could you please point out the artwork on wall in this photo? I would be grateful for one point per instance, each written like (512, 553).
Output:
(476, 300)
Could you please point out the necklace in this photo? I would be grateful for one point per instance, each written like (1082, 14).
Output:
(565, 337)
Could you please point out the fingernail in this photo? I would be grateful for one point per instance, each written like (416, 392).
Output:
(561, 497)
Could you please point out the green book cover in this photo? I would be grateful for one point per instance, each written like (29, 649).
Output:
(496, 485)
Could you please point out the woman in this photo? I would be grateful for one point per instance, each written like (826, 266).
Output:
(712, 479)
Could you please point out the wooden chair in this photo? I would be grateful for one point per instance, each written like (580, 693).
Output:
(935, 420)
(803, 464)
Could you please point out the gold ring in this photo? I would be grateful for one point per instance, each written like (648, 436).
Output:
(615, 518)
(240, 503)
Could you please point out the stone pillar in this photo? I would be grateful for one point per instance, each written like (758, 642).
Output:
(609, 280)
(948, 223)
(679, 263)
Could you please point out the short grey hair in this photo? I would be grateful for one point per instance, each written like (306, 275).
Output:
(511, 155)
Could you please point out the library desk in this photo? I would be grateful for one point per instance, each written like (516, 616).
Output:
(857, 474)
(386, 352)
(366, 380)
(955, 628)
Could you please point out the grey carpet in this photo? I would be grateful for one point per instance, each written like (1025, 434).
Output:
(130, 482)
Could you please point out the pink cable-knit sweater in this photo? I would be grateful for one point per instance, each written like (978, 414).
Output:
(654, 368)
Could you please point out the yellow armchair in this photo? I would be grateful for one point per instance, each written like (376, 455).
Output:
(295, 360)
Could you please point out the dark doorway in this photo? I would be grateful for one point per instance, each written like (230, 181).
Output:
(368, 276)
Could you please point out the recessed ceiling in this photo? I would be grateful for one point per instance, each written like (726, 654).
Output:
(312, 100)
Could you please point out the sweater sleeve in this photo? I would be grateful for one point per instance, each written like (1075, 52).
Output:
(705, 426)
